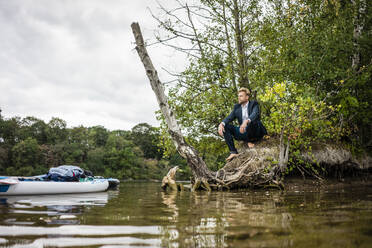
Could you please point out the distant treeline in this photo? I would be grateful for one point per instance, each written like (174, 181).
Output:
(29, 146)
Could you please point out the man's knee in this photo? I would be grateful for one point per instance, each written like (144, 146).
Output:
(254, 132)
(229, 127)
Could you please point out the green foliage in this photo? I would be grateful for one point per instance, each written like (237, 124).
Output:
(312, 43)
(26, 153)
(33, 127)
(147, 137)
(56, 130)
(98, 136)
(298, 113)
(30, 147)
(300, 118)
(308, 45)
(95, 160)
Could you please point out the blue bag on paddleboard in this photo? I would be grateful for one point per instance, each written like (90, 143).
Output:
(65, 173)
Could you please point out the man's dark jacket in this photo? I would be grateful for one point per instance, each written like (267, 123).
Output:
(257, 129)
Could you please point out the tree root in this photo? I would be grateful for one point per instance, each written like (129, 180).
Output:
(169, 181)
(253, 168)
(201, 184)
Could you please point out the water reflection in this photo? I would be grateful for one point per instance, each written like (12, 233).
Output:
(109, 242)
(215, 219)
(100, 198)
(169, 199)
(267, 218)
(140, 214)
(53, 209)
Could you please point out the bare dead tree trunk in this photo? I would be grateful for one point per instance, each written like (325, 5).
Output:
(198, 166)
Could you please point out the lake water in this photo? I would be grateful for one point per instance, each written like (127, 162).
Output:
(139, 214)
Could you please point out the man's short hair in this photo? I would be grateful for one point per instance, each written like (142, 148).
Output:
(243, 89)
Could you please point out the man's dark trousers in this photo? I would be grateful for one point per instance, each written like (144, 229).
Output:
(233, 132)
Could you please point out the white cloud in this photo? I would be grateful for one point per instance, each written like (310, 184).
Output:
(75, 59)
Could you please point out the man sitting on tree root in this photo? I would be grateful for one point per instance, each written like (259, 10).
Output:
(251, 128)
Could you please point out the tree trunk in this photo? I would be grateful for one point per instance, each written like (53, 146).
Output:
(198, 166)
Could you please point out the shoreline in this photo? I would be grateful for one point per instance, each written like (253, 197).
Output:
(298, 183)
(295, 182)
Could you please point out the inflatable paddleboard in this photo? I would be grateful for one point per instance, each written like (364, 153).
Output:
(10, 186)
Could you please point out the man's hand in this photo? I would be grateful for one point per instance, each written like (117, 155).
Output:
(243, 126)
(221, 129)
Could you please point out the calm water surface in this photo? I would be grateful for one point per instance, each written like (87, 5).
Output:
(139, 214)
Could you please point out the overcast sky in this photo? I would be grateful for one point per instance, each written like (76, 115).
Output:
(75, 59)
